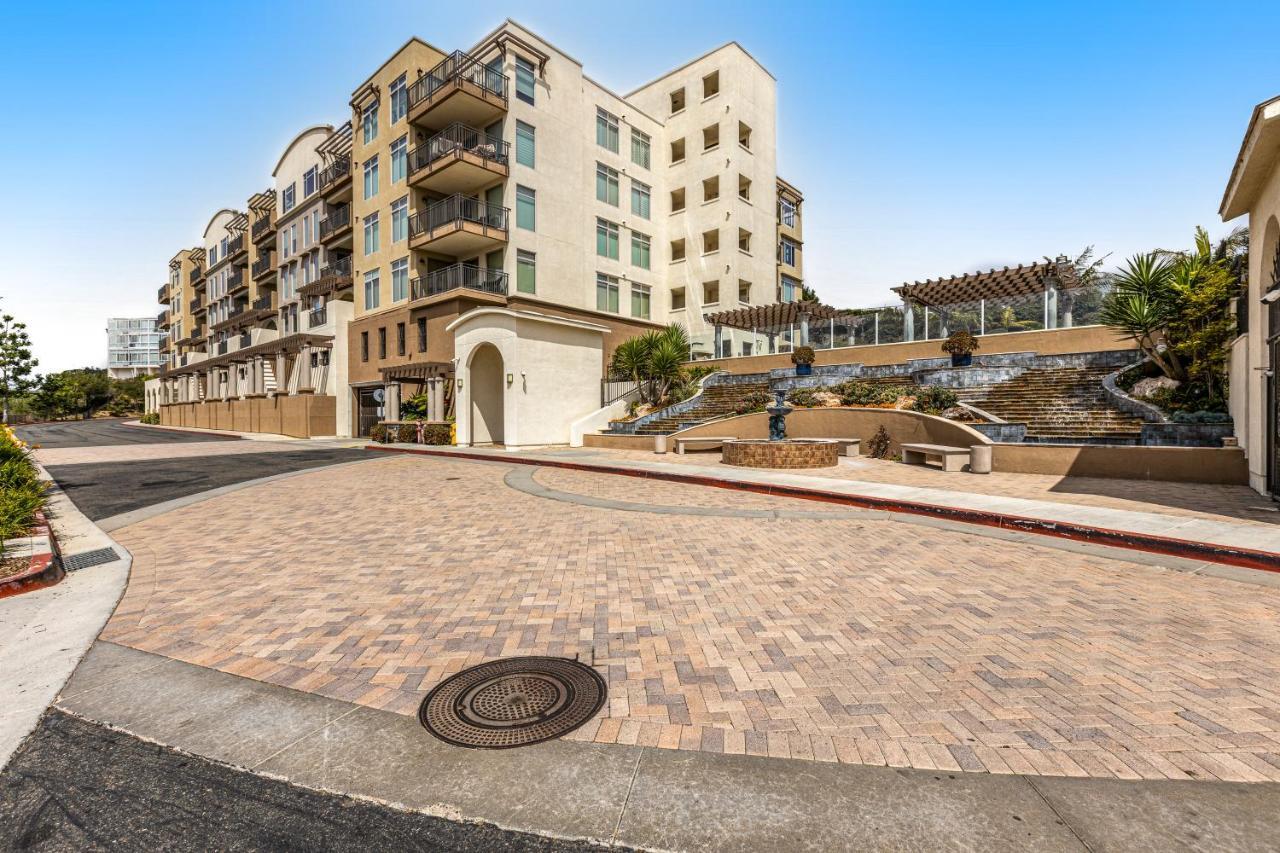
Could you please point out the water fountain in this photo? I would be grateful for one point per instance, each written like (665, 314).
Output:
(779, 451)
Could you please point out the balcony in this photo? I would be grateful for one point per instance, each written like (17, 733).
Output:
(335, 228)
(317, 317)
(237, 249)
(458, 225)
(458, 159)
(162, 320)
(263, 229)
(335, 180)
(459, 89)
(264, 268)
(266, 302)
(197, 305)
(163, 295)
(236, 280)
(197, 274)
(459, 277)
(334, 276)
(234, 318)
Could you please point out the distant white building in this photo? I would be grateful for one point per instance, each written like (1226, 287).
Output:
(133, 347)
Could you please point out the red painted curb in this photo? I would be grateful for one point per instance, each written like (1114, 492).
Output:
(44, 569)
(1248, 558)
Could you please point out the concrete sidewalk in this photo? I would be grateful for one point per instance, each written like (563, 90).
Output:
(1236, 543)
(649, 797)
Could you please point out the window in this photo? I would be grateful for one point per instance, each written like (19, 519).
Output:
(369, 123)
(524, 144)
(382, 342)
(710, 137)
(524, 79)
(400, 281)
(371, 229)
(640, 297)
(607, 130)
(677, 299)
(293, 239)
(677, 250)
(287, 200)
(526, 271)
(399, 90)
(364, 346)
(744, 188)
(309, 181)
(677, 151)
(640, 250)
(677, 101)
(606, 239)
(744, 292)
(372, 287)
(640, 199)
(677, 200)
(606, 184)
(791, 289)
(787, 212)
(711, 85)
(400, 339)
(422, 334)
(789, 252)
(213, 255)
(711, 188)
(606, 293)
(744, 240)
(525, 207)
(400, 219)
(640, 148)
(400, 158)
(371, 177)
(710, 293)
(711, 241)
(744, 135)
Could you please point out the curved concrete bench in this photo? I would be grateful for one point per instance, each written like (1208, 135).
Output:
(952, 458)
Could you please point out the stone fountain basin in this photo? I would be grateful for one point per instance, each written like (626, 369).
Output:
(790, 453)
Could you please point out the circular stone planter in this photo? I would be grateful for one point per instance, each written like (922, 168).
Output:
(791, 453)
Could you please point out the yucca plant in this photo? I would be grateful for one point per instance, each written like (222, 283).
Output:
(1143, 303)
(654, 361)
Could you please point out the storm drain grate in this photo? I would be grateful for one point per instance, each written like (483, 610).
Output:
(513, 702)
(86, 559)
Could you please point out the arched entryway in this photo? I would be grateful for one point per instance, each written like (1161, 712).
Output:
(486, 395)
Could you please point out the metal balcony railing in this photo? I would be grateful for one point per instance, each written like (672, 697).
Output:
(197, 273)
(338, 268)
(266, 302)
(264, 265)
(335, 220)
(458, 138)
(196, 304)
(235, 278)
(163, 294)
(459, 276)
(317, 317)
(457, 68)
(457, 209)
(335, 172)
(264, 226)
(235, 245)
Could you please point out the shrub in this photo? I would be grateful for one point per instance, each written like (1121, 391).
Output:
(414, 408)
(150, 418)
(961, 342)
(855, 393)
(805, 398)
(933, 399)
(437, 434)
(21, 490)
(878, 446)
(378, 433)
(751, 403)
(1186, 398)
(1200, 417)
(407, 434)
(802, 355)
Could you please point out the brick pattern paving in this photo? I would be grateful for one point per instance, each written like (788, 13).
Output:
(832, 640)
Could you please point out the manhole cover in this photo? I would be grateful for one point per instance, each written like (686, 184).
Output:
(513, 702)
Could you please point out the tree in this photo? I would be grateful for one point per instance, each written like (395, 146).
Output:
(17, 365)
(654, 361)
(1142, 305)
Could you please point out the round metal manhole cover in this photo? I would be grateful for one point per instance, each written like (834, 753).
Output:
(513, 702)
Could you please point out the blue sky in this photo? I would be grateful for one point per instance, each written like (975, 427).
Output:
(928, 138)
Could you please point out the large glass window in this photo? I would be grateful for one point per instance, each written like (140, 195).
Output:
(369, 123)
(640, 199)
(400, 280)
(525, 208)
(607, 130)
(788, 212)
(526, 271)
(400, 158)
(788, 252)
(640, 148)
(400, 219)
(640, 297)
(399, 90)
(606, 293)
(524, 144)
(606, 239)
(371, 229)
(309, 181)
(606, 184)
(524, 79)
(287, 199)
(371, 177)
(371, 287)
(640, 250)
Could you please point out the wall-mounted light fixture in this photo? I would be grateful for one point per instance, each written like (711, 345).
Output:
(459, 383)
(510, 379)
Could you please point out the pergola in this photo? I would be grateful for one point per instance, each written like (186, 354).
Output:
(793, 320)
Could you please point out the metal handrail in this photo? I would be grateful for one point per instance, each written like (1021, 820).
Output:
(264, 225)
(458, 138)
(459, 276)
(338, 217)
(265, 302)
(457, 68)
(235, 245)
(612, 390)
(196, 304)
(263, 264)
(235, 278)
(335, 171)
(317, 317)
(458, 208)
(340, 268)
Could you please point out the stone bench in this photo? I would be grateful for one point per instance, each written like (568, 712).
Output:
(702, 442)
(849, 446)
(952, 458)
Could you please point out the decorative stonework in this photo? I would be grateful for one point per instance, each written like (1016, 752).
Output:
(793, 453)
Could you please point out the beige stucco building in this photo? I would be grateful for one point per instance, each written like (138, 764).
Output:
(1254, 190)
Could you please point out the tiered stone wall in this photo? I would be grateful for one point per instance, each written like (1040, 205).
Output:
(781, 454)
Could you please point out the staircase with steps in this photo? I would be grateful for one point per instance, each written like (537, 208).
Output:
(717, 401)
(1057, 404)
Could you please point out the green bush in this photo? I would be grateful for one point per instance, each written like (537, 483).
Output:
(378, 433)
(435, 434)
(878, 446)
(150, 418)
(407, 433)
(804, 398)
(21, 490)
(933, 399)
(754, 402)
(414, 408)
(1186, 398)
(803, 355)
(855, 393)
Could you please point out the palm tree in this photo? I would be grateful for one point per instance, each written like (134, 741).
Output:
(1143, 302)
(654, 361)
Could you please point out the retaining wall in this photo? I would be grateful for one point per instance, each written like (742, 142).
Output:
(300, 416)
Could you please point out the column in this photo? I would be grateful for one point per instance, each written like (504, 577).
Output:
(804, 328)
(282, 381)
(392, 401)
(719, 336)
(908, 321)
(982, 316)
(437, 399)
(1051, 307)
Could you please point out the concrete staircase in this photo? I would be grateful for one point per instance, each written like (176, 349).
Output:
(1057, 404)
(717, 401)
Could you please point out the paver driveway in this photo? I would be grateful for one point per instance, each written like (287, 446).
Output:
(844, 638)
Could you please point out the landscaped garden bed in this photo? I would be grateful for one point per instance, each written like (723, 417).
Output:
(27, 554)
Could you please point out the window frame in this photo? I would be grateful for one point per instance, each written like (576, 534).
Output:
(609, 286)
(369, 122)
(608, 183)
(372, 225)
(526, 260)
(529, 195)
(532, 136)
(607, 239)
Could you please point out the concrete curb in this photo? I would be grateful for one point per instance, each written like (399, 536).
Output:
(1185, 548)
(44, 569)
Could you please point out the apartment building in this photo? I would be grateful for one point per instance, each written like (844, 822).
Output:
(495, 210)
(133, 346)
(790, 243)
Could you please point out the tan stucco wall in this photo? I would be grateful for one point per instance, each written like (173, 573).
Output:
(301, 416)
(1174, 464)
(618, 442)
(902, 426)
(1050, 342)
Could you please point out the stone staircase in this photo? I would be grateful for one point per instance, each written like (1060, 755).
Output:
(1057, 404)
(717, 401)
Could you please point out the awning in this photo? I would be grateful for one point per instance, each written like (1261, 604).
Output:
(417, 370)
(289, 343)
(993, 284)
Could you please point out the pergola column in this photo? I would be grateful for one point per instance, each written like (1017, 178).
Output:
(391, 401)
(804, 328)
(282, 381)
(716, 346)
(908, 321)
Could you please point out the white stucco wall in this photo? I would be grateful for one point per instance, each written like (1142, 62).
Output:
(554, 364)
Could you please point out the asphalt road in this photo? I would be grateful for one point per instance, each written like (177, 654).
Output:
(106, 432)
(75, 785)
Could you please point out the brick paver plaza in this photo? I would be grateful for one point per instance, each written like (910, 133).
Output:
(844, 638)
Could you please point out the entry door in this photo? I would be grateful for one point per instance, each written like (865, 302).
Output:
(369, 409)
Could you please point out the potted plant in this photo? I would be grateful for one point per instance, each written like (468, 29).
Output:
(961, 345)
(802, 358)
